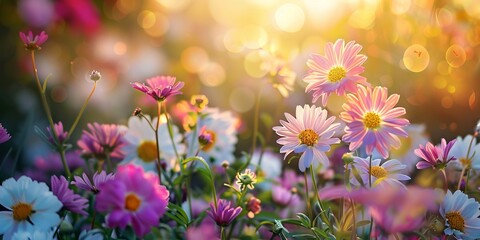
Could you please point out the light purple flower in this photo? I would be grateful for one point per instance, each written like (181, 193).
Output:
(435, 156)
(33, 42)
(71, 201)
(134, 198)
(223, 214)
(461, 215)
(386, 173)
(160, 87)
(4, 136)
(61, 135)
(102, 138)
(85, 183)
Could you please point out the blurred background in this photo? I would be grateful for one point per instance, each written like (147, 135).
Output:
(425, 50)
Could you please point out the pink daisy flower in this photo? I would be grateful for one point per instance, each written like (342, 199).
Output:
(160, 87)
(33, 42)
(309, 133)
(223, 214)
(102, 138)
(85, 183)
(337, 72)
(134, 198)
(61, 135)
(435, 156)
(373, 120)
(4, 135)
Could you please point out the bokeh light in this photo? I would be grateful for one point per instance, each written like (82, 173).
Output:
(416, 58)
(455, 56)
(289, 17)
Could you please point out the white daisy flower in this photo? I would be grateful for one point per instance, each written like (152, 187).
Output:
(461, 215)
(223, 135)
(388, 172)
(406, 152)
(141, 148)
(31, 206)
(36, 235)
(460, 150)
(271, 165)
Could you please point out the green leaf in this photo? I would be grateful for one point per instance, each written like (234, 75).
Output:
(44, 87)
(304, 236)
(177, 214)
(305, 220)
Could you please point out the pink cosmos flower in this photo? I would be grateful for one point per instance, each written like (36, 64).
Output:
(373, 120)
(102, 138)
(33, 42)
(85, 183)
(223, 214)
(134, 198)
(160, 87)
(81, 15)
(4, 136)
(61, 135)
(435, 156)
(71, 201)
(337, 72)
(309, 133)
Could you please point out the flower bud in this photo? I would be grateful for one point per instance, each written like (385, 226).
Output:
(95, 75)
(137, 112)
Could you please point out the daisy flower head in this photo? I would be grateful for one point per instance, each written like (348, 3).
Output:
(71, 201)
(4, 135)
(282, 78)
(435, 156)
(134, 198)
(101, 139)
(461, 148)
(373, 120)
(337, 72)
(309, 133)
(160, 87)
(140, 145)
(461, 215)
(85, 183)
(220, 128)
(33, 42)
(30, 206)
(246, 179)
(223, 214)
(60, 134)
(386, 173)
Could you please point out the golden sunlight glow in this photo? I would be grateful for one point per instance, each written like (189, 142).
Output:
(194, 59)
(213, 75)
(256, 65)
(146, 19)
(120, 48)
(154, 24)
(447, 102)
(455, 56)
(242, 99)
(362, 18)
(174, 5)
(399, 7)
(289, 18)
(416, 58)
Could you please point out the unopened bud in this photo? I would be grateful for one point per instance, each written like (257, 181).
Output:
(347, 158)
(225, 164)
(137, 112)
(294, 190)
(95, 75)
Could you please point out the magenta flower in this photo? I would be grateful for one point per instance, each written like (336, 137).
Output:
(134, 198)
(85, 183)
(33, 42)
(160, 87)
(337, 72)
(71, 201)
(223, 214)
(61, 135)
(102, 139)
(435, 156)
(373, 120)
(309, 133)
(4, 135)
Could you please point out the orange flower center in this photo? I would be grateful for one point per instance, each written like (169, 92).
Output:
(378, 172)
(456, 221)
(308, 137)
(213, 139)
(147, 151)
(371, 120)
(336, 74)
(132, 202)
(21, 211)
(465, 162)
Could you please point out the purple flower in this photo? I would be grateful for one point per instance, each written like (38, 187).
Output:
(4, 136)
(223, 214)
(71, 201)
(160, 87)
(33, 42)
(435, 156)
(102, 139)
(51, 164)
(85, 183)
(134, 198)
(61, 135)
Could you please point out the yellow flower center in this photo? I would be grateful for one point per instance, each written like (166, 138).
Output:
(21, 211)
(371, 120)
(378, 172)
(336, 74)
(147, 151)
(132, 202)
(308, 137)
(213, 139)
(456, 221)
(465, 162)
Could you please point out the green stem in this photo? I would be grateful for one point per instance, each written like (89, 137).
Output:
(109, 161)
(222, 233)
(48, 113)
(445, 186)
(170, 133)
(466, 181)
(307, 198)
(159, 164)
(322, 212)
(461, 177)
(370, 185)
(80, 113)
(255, 127)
